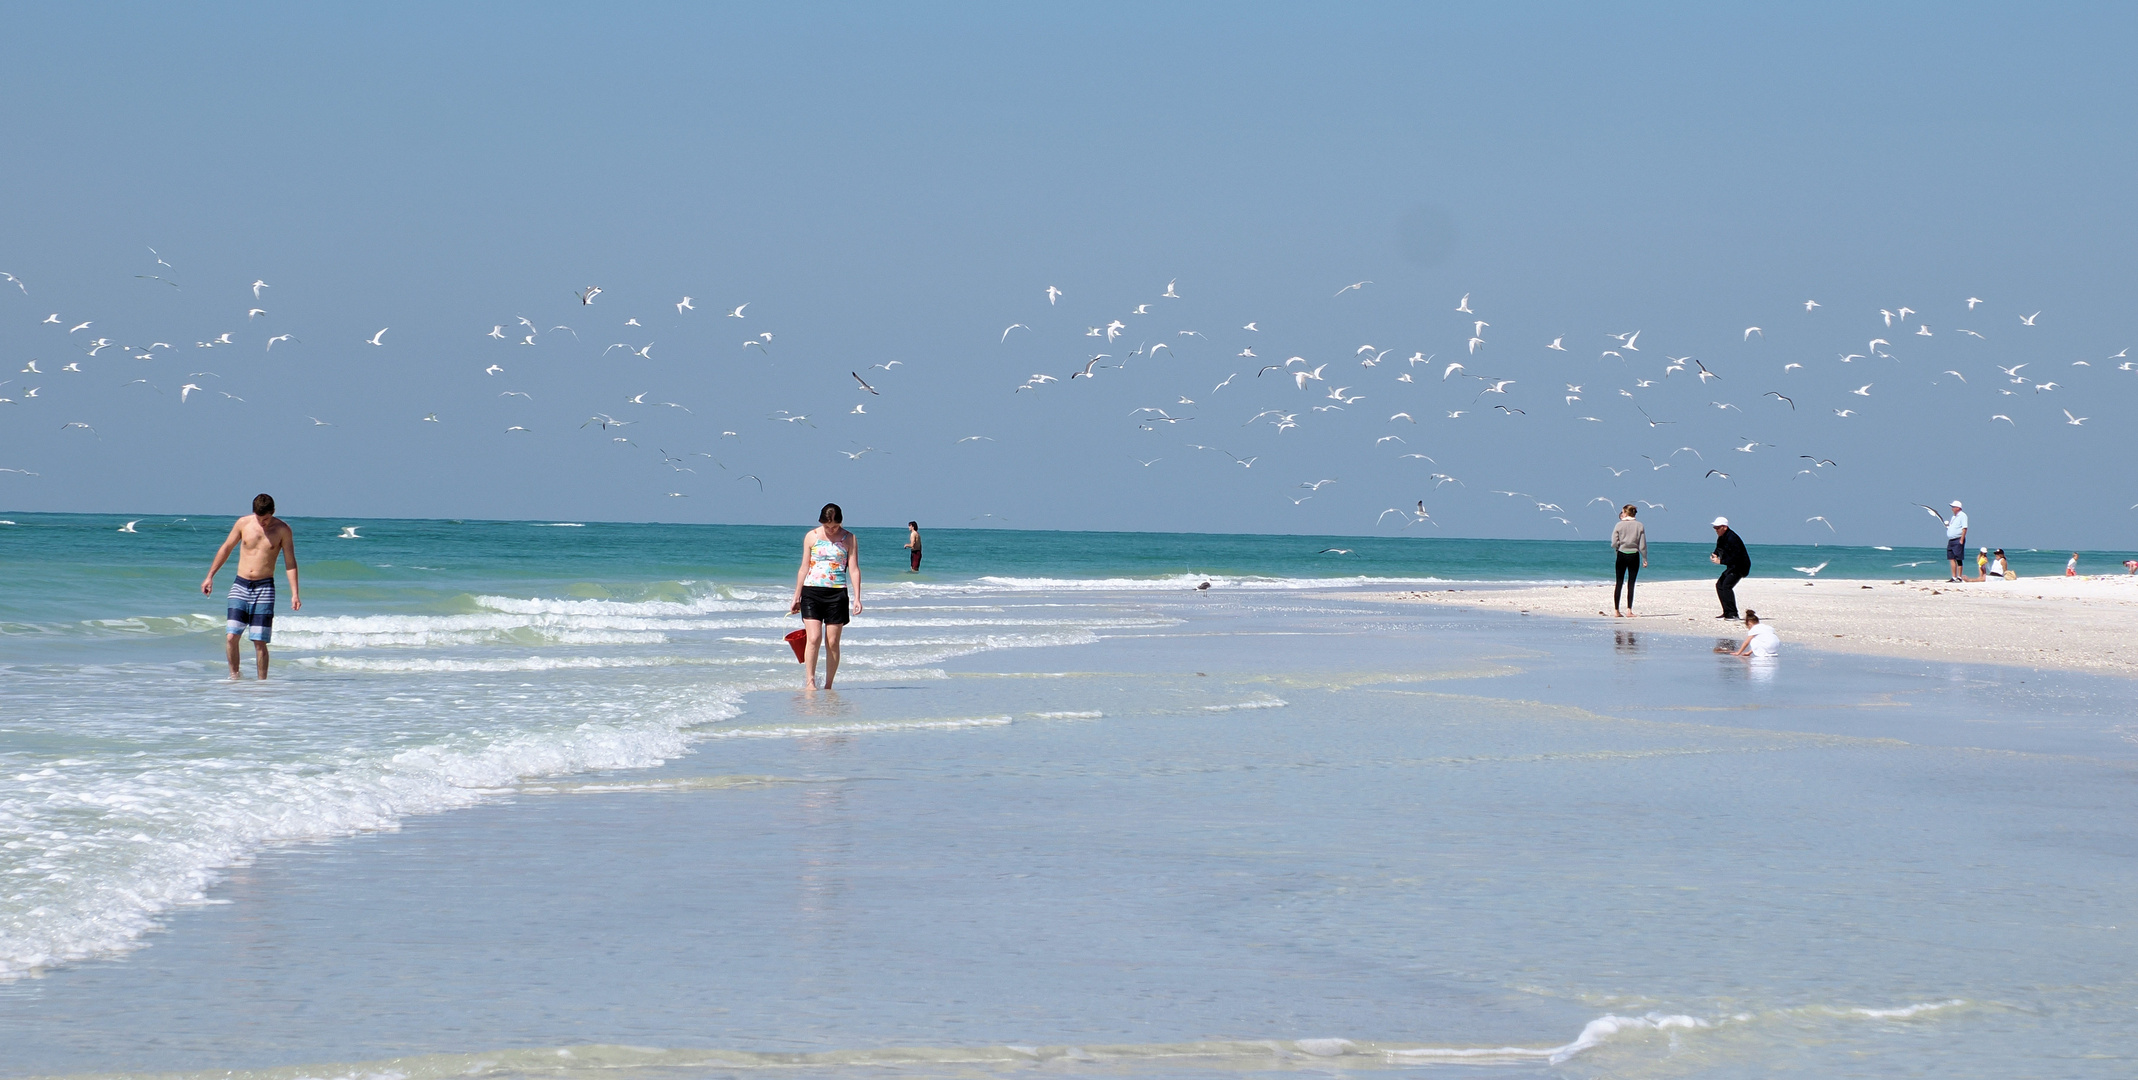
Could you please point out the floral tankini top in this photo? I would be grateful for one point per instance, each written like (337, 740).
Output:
(827, 565)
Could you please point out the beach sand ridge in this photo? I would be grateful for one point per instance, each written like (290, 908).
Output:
(2070, 624)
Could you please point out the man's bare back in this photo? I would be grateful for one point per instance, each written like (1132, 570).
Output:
(258, 537)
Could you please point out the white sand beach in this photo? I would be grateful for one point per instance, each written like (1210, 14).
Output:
(2071, 624)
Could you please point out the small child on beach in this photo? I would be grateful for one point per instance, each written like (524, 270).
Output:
(2071, 569)
(1760, 639)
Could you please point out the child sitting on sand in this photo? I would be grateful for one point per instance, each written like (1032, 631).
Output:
(1760, 639)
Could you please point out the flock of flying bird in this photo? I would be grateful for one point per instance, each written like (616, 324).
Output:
(1241, 392)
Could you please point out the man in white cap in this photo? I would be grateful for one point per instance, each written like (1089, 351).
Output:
(1956, 539)
(1736, 566)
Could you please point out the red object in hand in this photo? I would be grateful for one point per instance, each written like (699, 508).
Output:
(796, 639)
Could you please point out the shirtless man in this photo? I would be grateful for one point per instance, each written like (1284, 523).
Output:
(252, 596)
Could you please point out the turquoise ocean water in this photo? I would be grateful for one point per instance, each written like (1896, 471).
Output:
(533, 798)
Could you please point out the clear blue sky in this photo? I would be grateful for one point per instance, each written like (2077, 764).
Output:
(884, 186)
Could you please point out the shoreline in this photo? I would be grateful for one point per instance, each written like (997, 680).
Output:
(2068, 624)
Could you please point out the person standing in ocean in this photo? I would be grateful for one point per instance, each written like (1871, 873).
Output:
(913, 540)
(827, 590)
(1736, 566)
(259, 536)
(1629, 539)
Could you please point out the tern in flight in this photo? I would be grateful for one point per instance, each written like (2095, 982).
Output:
(1751, 330)
(1169, 294)
(257, 285)
(1810, 304)
(1783, 397)
(587, 296)
(348, 532)
(2003, 417)
(1053, 294)
(374, 339)
(1811, 571)
(1013, 326)
(2075, 421)
(737, 313)
(1821, 519)
(1353, 285)
(2029, 319)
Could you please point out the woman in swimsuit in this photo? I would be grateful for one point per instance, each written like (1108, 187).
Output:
(827, 590)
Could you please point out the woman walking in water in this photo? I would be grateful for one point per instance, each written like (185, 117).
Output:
(827, 590)
(1629, 538)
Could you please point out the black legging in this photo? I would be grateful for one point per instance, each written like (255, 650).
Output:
(1629, 569)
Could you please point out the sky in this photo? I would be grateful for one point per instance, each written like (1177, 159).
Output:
(889, 190)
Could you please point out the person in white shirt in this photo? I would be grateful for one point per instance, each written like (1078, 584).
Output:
(1956, 539)
(1760, 639)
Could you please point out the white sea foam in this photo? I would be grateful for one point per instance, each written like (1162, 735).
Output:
(518, 663)
(99, 849)
(1167, 583)
(1906, 1012)
(803, 731)
(1594, 1034)
(1264, 703)
(1069, 714)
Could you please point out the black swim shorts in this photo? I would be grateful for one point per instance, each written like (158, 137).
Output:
(1955, 549)
(826, 605)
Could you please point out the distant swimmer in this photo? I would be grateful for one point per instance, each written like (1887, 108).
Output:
(827, 590)
(913, 541)
(260, 537)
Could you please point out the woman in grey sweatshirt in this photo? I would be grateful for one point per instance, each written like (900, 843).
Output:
(1629, 539)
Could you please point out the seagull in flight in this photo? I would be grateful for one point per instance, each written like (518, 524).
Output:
(587, 296)
(737, 313)
(257, 285)
(2075, 421)
(374, 339)
(1053, 294)
(1013, 326)
(1811, 571)
(1751, 330)
(1810, 304)
(2028, 320)
(1781, 396)
(2003, 417)
(1556, 343)
(1353, 285)
(1864, 390)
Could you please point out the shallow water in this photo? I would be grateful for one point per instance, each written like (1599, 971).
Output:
(1074, 828)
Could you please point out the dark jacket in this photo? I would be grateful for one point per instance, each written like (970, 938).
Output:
(1730, 548)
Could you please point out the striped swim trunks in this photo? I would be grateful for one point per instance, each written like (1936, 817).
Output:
(252, 608)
